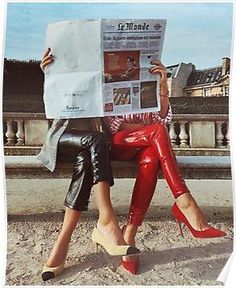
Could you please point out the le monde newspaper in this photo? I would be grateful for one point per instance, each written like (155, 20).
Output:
(101, 67)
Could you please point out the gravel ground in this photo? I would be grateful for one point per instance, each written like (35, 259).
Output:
(166, 258)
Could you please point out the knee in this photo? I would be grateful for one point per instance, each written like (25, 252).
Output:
(160, 133)
(95, 138)
(83, 159)
(148, 156)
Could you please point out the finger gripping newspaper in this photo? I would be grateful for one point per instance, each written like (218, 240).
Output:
(101, 67)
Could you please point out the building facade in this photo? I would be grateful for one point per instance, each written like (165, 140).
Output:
(184, 80)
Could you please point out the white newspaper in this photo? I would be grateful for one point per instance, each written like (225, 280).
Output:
(101, 67)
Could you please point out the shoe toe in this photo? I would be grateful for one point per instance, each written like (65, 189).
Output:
(132, 250)
(131, 266)
(219, 233)
(211, 233)
(47, 275)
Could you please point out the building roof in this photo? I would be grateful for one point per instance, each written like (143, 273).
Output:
(172, 70)
(204, 76)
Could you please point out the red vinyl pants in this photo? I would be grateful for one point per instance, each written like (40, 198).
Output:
(151, 147)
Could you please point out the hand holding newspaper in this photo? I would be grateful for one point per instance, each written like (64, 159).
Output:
(101, 67)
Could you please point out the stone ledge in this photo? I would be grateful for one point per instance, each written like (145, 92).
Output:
(34, 150)
(192, 167)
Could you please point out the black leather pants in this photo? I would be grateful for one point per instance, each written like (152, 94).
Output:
(89, 153)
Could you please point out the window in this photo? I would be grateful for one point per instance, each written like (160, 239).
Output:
(206, 92)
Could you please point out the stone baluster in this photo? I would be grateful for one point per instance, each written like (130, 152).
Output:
(183, 136)
(10, 134)
(172, 134)
(219, 135)
(20, 133)
(227, 136)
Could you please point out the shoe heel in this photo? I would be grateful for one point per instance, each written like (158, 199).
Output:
(180, 228)
(96, 247)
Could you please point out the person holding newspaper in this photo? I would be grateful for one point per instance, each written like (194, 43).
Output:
(144, 137)
(88, 150)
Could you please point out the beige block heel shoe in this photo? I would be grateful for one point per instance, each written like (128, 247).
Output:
(51, 272)
(114, 250)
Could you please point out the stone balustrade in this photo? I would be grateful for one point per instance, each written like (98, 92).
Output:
(187, 131)
(200, 131)
(24, 129)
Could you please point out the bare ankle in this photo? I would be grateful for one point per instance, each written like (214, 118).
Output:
(185, 200)
(130, 233)
(107, 219)
(106, 224)
(64, 238)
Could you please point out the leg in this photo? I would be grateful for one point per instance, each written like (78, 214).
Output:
(172, 174)
(192, 212)
(60, 248)
(107, 224)
(56, 261)
(96, 144)
(148, 169)
(108, 233)
(107, 221)
(160, 139)
(170, 169)
(143, 191)
(76, 199)
(156, 135)
(71, 150)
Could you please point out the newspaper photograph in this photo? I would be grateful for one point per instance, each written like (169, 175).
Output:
(102, 66)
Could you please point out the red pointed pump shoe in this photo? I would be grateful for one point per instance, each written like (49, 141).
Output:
(131, 265)
(208, 233)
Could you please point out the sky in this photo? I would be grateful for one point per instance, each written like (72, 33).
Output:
(199, 33)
